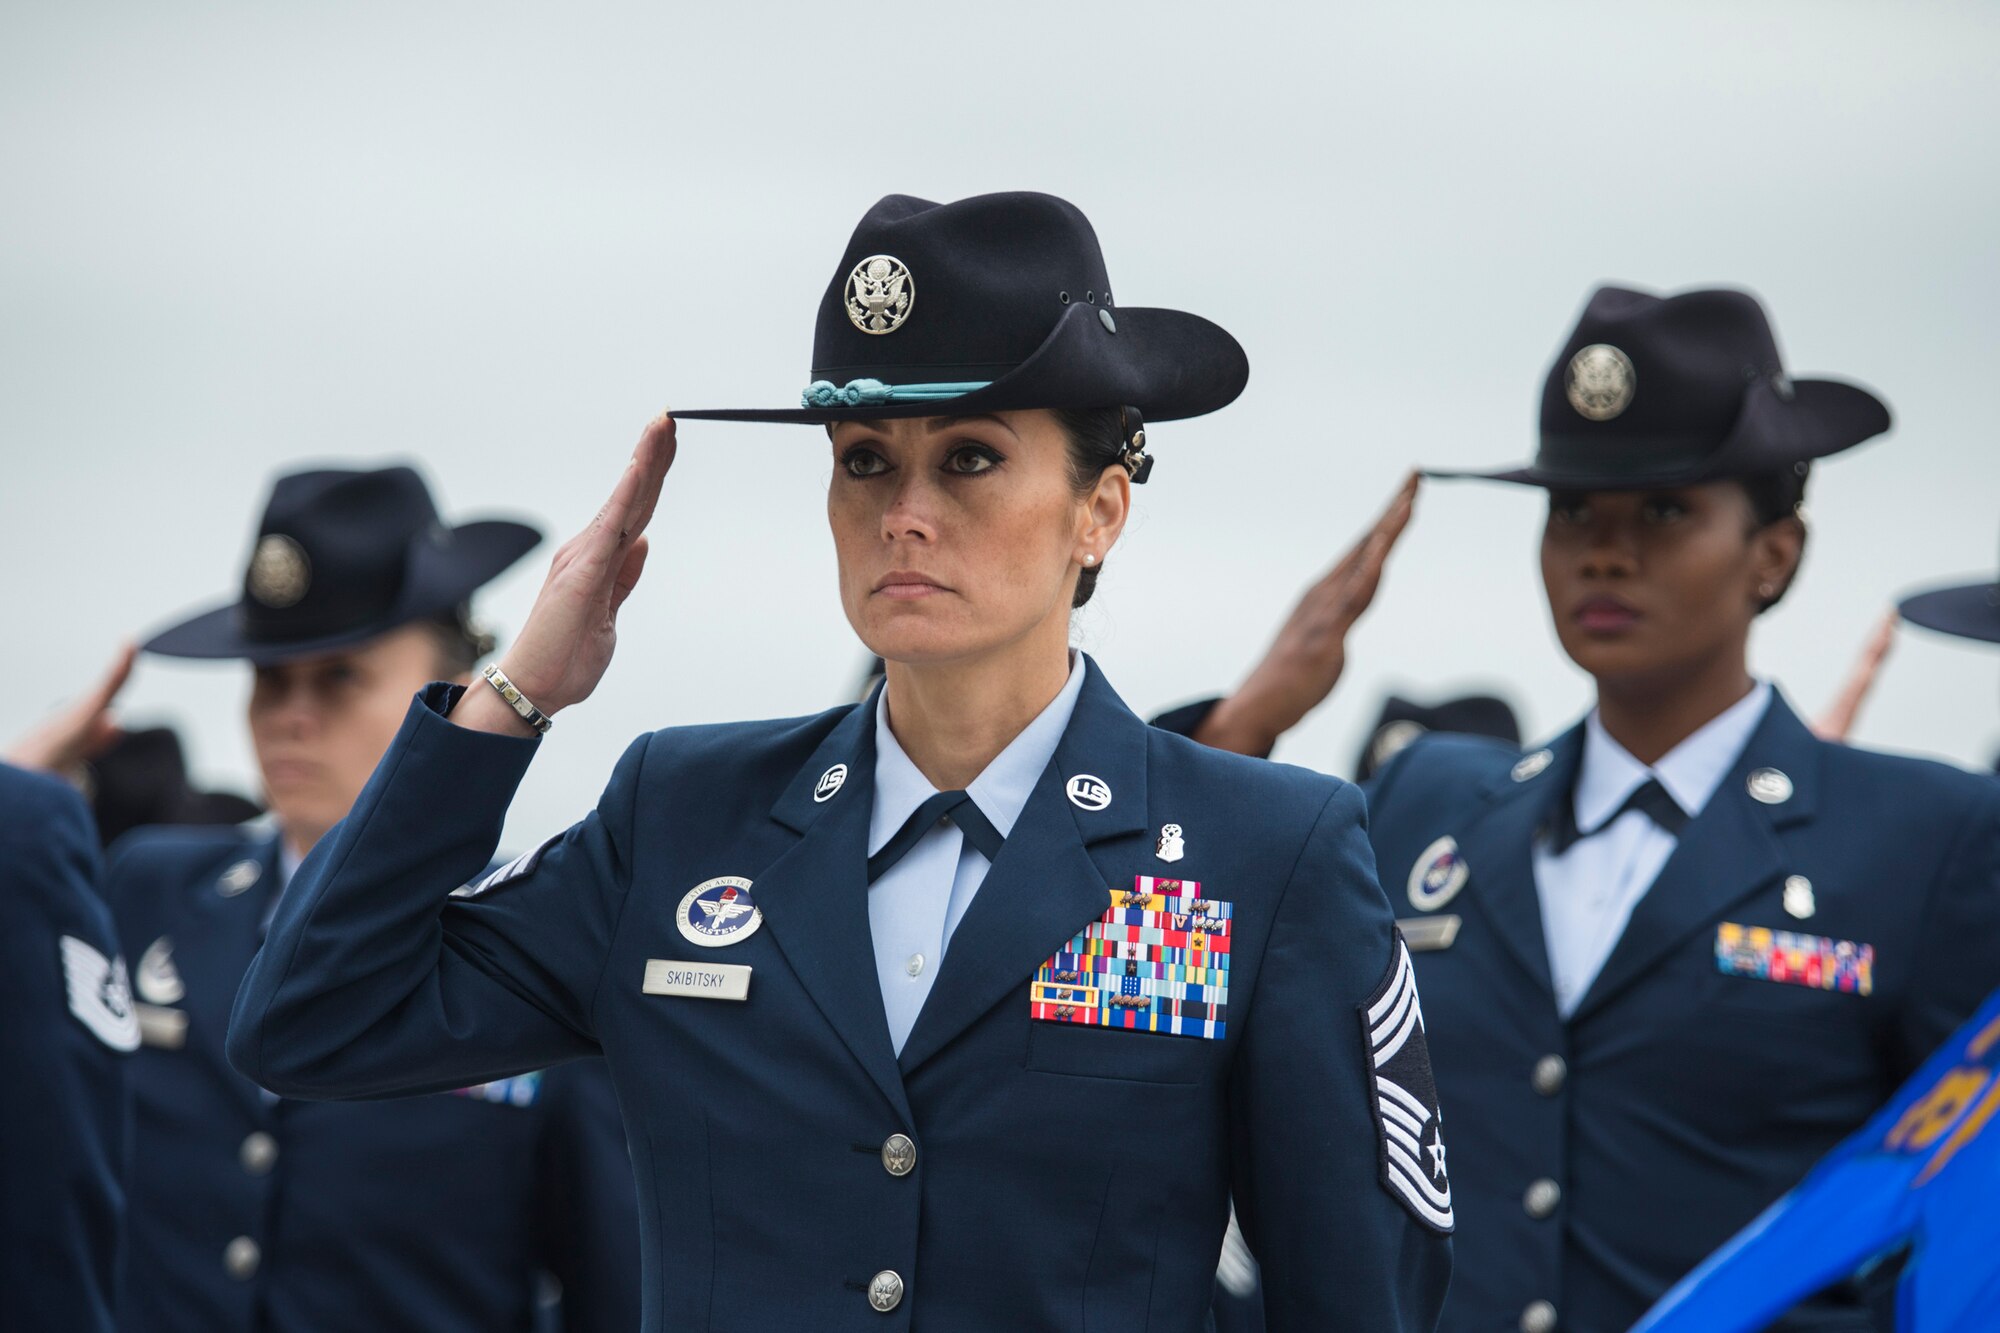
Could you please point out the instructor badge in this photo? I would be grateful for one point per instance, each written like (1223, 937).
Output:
(1408, 1122)
(718, 912)
(1438, 875)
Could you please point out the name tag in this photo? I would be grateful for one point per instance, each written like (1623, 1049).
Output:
(1424, 933)
(706, 981)
(162, 1027)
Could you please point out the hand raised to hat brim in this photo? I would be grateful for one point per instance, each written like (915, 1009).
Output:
(1306, 659)
(83, 729)
(1837, 721)
(566, 645)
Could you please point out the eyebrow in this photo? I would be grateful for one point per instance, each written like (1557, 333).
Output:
(938, 423)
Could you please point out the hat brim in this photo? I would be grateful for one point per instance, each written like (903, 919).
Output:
(1167, 363)
(438, 579)
(1821, 418)
(1965, 610)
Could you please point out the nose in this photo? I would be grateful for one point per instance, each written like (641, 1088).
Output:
(911, 512)
(1610, 553)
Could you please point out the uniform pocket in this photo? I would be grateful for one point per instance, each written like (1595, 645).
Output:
(1083, 1051)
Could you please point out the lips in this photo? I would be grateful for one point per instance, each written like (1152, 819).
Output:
(1605, 615)
(908, 585)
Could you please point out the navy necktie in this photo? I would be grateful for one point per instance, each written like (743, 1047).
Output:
(1650, 800)
(957, 806)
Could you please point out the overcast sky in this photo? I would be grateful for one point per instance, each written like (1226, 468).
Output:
(496, 239)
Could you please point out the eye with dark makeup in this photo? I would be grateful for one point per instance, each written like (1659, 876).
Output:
(967, 459)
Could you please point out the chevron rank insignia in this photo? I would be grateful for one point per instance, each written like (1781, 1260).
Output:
(1156, 961)
(520, 867)
(1407, 1119)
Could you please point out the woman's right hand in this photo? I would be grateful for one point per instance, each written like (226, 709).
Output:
(566, 645)
(1307, 658)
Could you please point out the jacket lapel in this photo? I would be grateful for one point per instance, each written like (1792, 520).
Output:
(1044, 888)
(217, 934)
(814, 898)
(1726, 853)
(1498, 849)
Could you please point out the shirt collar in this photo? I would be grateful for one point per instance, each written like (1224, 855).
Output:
(1690, 772)
(1000, 792)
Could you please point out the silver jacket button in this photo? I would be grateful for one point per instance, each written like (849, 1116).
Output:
(258, 1154)
(240, 1258)
(885, 1293)
(899, 1155)
(1550, 1071)
(1539, 1317)
(1542, 1198)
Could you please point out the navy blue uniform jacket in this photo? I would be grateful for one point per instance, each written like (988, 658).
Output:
(65, 1027)
(257, 1213)
(1683, 1096)
(1066, 1177)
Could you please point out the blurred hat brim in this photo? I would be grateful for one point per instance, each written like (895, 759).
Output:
(438, 578)
(1822, 417)
(1965, 610)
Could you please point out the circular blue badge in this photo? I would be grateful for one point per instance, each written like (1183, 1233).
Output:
(718, 912)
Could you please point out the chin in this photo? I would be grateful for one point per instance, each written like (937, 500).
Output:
(1611, 655)
(902, 637)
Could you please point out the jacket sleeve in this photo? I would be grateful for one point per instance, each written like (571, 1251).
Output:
(63, 1108)
(389, 967)
(1961, 935)
(1338, 1249)
(587, 1210)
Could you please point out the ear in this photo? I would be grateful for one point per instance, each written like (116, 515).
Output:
(1105, 511)
(1776, 549)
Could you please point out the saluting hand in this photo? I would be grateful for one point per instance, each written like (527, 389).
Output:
(566, 645)
(80, 732)
(1306, 659)
(1836, 722)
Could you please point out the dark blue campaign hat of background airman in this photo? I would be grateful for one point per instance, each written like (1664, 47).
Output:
(1653, 391)
(993, 303)
(1965, 610)
(341, 557)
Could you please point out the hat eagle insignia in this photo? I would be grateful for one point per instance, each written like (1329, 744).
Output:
(880, 293)
(1600, 382)
(279, 572)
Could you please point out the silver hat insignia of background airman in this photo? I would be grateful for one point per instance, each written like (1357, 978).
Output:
(279, 572)
(880, 294)
(1600, 381)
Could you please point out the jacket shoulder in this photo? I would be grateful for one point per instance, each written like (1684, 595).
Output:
(151, 857)
(1447, 764)
(1924, 788)
(36, 803)
(775, 746)
(1280, 793)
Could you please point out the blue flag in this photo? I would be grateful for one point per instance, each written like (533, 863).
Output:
(1925, 1172)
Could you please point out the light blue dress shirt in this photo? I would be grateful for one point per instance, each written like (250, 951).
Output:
(917, 904)
(1589, 891)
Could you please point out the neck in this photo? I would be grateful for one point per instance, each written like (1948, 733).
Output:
(300, 841)
(1650, 716)
(954, 718)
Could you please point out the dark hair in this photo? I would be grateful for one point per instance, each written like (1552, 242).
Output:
(1775, 496)
(1096, 442)
(460, 640)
